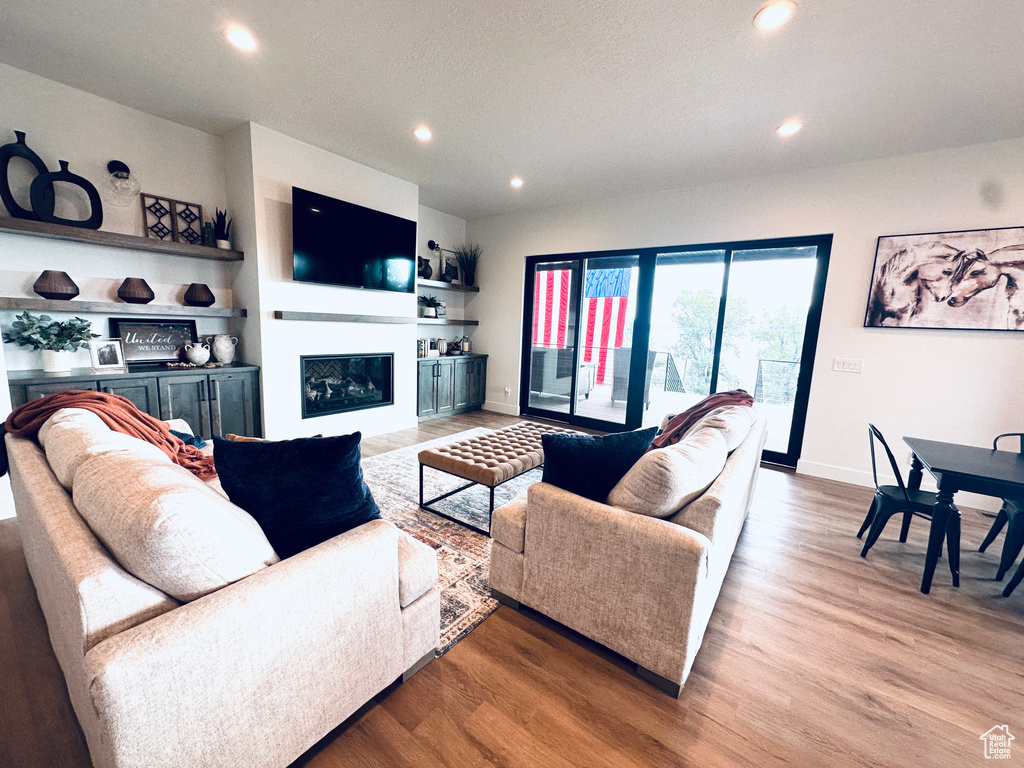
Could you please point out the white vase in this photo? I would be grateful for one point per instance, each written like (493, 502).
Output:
(224, 245)
(56, 362)
(223, 347)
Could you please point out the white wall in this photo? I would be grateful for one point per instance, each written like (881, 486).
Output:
(962, 386)
(278, 163)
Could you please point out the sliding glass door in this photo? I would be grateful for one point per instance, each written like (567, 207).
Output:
(618, 340)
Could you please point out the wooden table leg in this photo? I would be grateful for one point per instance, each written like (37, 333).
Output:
(953, 544)
(940, 520)
(916, 472)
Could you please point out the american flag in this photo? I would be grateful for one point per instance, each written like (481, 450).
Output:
(606, 296)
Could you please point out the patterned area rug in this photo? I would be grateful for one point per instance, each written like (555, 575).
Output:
(463, 555)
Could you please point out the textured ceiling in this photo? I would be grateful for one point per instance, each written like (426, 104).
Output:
(584, 100)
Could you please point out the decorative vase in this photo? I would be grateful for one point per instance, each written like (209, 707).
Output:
(468, 278)
(209, 238)
(223, 347)
(135, 290)
(43, 198)
(198, 354)
(430, 312)
(224, 245)
(55, 285)
(7, 153)
(199, 295)
(56, 361)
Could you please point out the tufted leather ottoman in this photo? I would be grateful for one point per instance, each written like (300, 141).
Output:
(490, 459)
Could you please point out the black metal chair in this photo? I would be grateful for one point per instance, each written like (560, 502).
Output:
(891, 499)
(1010, 513)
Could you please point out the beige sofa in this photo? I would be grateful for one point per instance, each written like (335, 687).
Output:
(642, 586)
(255, 659)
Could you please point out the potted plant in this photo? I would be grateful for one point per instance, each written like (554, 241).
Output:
(54, 338)
(430, 305)
(222, 230)
(467, 256)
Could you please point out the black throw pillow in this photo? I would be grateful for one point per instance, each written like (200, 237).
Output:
(301, 492)
(591, 465)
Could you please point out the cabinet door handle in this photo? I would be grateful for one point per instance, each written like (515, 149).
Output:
(109, 390)
(214, 389)
(202, 391)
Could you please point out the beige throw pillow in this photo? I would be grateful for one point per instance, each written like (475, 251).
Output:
(164, 525)
(666, 479)
(70, 443)
(733, 421)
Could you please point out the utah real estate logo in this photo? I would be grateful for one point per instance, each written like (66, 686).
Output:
(998, 740)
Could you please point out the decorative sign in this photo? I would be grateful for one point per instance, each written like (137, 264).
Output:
(153, 341)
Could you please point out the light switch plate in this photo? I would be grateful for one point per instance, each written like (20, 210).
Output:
(847, 365)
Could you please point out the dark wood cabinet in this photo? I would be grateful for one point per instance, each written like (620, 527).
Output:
(214, 401)
(449, 385)
(436, 387)
(185, 397)
(142, 392)
(233, 408)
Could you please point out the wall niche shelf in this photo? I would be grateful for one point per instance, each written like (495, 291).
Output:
(329, 317)
(441, 285)
(115, 240)
(75, 307)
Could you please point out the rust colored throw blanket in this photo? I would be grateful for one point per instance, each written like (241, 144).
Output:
(681, 422)
(118, 413)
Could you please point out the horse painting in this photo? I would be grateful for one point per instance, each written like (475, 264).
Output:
(971, 279)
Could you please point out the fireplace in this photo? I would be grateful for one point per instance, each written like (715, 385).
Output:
(340, 383)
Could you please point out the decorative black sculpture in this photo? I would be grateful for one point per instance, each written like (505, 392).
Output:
(7, 153)
(425, 269)
(43, 198)
(450, 271)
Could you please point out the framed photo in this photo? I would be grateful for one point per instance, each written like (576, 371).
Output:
(965, 280)
(153, 341)
(107, 355)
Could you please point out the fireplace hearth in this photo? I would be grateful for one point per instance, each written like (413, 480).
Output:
(339, 383)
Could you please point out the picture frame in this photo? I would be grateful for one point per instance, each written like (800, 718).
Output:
(107, 356)
(153, 341)
(962, 280)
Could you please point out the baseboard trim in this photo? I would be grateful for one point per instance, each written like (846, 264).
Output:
(508, 410)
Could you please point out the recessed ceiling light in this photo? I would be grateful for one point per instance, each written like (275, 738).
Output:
(774, 14)
(240, 37)
(422, 133)
(789, 128)
(516, 182)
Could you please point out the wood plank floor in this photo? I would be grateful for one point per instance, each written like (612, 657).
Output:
(813, 657)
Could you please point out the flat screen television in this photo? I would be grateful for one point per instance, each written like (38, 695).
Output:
(340, 243)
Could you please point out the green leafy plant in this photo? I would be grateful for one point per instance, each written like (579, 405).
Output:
(222, 225)
(430, 301)
(467, 256)
(45, 333)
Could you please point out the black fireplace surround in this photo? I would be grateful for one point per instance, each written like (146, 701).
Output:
(339, 383)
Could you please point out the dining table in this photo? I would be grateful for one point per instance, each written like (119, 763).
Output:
(957, 468)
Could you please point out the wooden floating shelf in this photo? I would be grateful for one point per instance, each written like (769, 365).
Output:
(328, 317)
(116, 308)
(444, 321)
(115, 240)
(440, 284)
